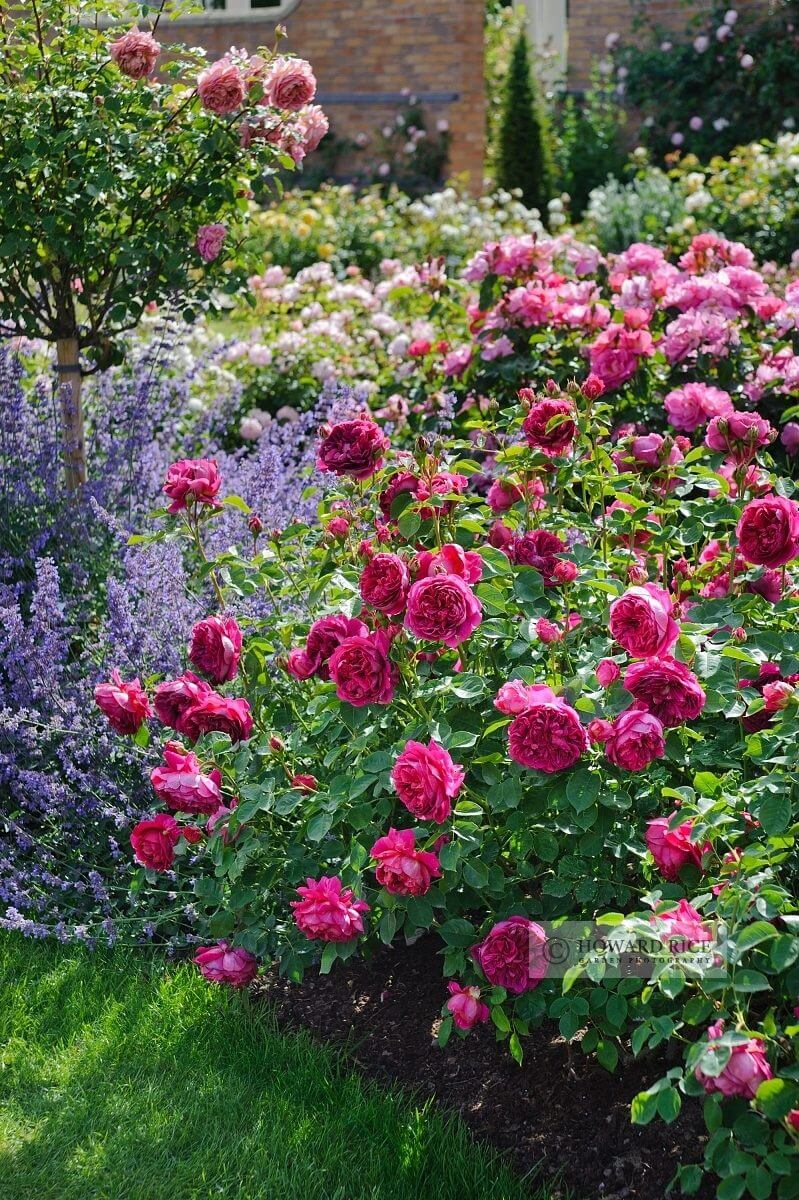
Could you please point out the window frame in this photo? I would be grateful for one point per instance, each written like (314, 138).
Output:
(238, 10)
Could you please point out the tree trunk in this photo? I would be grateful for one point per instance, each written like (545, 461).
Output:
(69, 389)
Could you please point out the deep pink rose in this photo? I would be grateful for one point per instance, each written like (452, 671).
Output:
(768, 531)
(502, 495)
(641, 621)
(777, 695)
(740, 434)
(607, 672)
(516, 697)
(193, 481)
(682, 927)
(124, 704)
(427, 780)
(398, 485)
(465, 1005)
(361, 670)
(328, 911)
(540, 549)
(228, 964)
(154, 840)
(299, 664)
(401, 868)
(354, 448)
(180, 783)
(693, 404)
(442, 608)
(547, 737)
(636, 740)
(215, 648)
(667, 689)
(217, 714)
(289, 84)
(548, 631)
(305, 783)
(325, 635)
(599, 731)
(745, 1070)
(210, 239)
(451, 559)
(550, 426)
(221, 88)
(384, 584)
(173, 698)
(512, 955)
(671, 846)
(135, 53)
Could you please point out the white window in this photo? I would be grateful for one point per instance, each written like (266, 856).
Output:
(547, 23)
(243, 10)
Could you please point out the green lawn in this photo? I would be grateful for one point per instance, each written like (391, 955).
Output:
(124, 1080)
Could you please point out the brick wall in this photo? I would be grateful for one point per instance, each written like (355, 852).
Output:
(370, 47)
(590, 21)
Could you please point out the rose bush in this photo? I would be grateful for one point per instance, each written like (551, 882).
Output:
(481, 725)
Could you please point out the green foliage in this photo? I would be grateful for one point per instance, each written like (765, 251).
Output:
(124, 1077)
(524, 156)
(588, 142)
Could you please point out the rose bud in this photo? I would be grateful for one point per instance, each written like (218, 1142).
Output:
(304, 783)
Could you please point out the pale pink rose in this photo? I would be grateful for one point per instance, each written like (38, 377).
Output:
(221, 88)
(512, 955)
(210, 239)
(312, 125)
(289, 84)
(427, 780)
(135, 53)
(401, 868)
(682, 927)
(745, 1070)
(328, 911)
(228, 964)
(465, 1006)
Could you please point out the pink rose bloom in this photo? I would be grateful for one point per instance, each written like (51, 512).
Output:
(325, 636)
(636, 740)
(124, 704)
(502, 495)
(671, 847)
(740, 434)
(790, 437)
(745, 1070)
(777, 696)
(176, 696)
(180, 783)
(299, 664)
(516, 697)
(682, 927)
(599, 731)
(512, 955)
(593, 387)
(547, 736)
(548, 631)
(328, 911)
(641, 621)
(442, 608)
(691, 405)
(540, 549)
(465, 1006)
(398, 485)
(221, 88)
(667, 689)
(457, 361)
(217, 714)
(354, 448)
(549, 425)
(427, 780)
(312, 125)
(501, 537)
(193, 481)
(361, 670)
(444, 483)
(228, 964)
(210, 239)
(607, 672)
(615, 354)
(768, 531)
(135, 53)
(401, 868)
(384, 584)
(451, 559)
(215, 648)
(154, 840)
(289, 84)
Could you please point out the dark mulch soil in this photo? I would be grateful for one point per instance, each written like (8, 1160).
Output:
(559, 1110)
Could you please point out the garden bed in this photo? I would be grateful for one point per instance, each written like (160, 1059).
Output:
(559, 1111)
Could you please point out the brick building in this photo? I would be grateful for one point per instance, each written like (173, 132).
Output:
(367, 55)
(574, 31)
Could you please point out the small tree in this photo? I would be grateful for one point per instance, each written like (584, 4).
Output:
(122, 171)
(524, 159)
